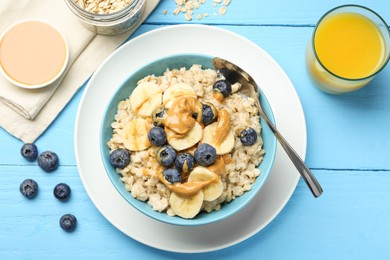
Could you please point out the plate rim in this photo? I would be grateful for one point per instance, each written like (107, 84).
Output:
(140, 38)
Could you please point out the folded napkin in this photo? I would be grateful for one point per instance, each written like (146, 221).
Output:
(26, 113)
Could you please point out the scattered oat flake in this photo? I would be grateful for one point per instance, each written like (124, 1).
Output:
(188, 16)
(188, 7)
(222, 10)
(165, 11)
(176, 11)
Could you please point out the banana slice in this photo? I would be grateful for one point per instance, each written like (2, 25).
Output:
(176, 91)
(186, 207)
(181, 143)
(214, 189)
(209, 137)
(146, 97)
(135, 135)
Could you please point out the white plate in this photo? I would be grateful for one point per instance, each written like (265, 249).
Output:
(189, 39)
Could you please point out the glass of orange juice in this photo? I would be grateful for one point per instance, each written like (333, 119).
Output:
(349, 46)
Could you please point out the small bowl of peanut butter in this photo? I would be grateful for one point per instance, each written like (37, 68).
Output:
(33, 54)
(183, 145)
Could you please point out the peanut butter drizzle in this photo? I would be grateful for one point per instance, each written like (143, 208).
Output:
(134, 131)
(137, 108)
(223, 126)
(218, 167)
(218, 96)
(179, 117)
(188, 188)
(227, 158)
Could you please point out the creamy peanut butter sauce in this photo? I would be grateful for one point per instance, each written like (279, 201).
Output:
(134, 129)
(218, 96)
(179, 117)
(146, 100)
(227, 158)
(218, 167)
(223, 126)
(186, 189)
(138, 106)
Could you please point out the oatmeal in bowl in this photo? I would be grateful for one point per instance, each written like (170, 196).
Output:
(183, 145)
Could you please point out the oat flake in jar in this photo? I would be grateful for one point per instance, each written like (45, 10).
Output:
(107, 17)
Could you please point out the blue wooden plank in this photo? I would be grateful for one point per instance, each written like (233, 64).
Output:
(277, 12)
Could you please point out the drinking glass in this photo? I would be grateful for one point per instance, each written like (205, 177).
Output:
(334, 55)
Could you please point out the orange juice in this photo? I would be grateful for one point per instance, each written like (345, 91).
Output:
(349, 45)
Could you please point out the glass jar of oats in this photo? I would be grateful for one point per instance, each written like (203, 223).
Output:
(107, 17)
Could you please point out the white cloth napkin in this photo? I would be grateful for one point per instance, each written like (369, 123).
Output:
(26, 114)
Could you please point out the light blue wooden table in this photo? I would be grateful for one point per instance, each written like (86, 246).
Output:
(348, 149)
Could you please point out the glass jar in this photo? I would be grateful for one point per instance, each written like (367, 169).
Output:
(112, 23)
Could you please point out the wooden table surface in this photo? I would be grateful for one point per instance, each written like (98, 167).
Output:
(348, 149)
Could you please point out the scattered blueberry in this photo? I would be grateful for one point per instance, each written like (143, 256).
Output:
(48, 161)
(185, 162)
(209, 113)
(120, 158)
(157, 136)
(29, 188)
(223, 86)
(62, 191)
(68, 222)
(205, 154)
(158, 116)
(172, 175)
(248, 136)
(29, 151)
(166, 155)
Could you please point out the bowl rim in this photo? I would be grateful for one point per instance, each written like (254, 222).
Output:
(162, 216)
(52, 80)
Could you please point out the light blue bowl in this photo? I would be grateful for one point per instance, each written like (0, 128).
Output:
(123, 92)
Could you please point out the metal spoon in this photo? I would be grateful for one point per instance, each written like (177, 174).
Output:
(234, 74)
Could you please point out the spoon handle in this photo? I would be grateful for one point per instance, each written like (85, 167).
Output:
(305, 172)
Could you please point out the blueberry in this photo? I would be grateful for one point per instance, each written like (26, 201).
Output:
(205, 154)
(48, 161)
(29, 188)
(29, 152)
(166, 156)
(172, 175)
(68, 222)
(158, 116)
(223, 86)
(248, 136)
(209, 113)
(185, 162)
(157, 136)
(62, 191)
(120, 158)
